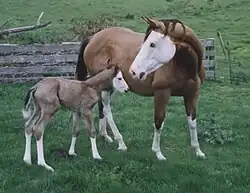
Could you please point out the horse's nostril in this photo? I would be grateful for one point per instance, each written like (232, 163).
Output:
(141, 75)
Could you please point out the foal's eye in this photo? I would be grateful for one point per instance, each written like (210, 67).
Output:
(119, 78)
(152, 45)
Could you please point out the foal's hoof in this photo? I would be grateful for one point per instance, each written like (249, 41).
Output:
(97, 157)
(200, 154)
(72, 153)
(27, 161)
(160, 156)
(47, 167)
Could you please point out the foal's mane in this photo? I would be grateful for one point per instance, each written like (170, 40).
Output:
(109, 67)
(95, 78)
(169, 24)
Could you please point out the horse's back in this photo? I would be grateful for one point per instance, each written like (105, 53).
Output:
(111, 45)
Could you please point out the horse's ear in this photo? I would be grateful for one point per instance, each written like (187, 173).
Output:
(145, 19)
(153, 23)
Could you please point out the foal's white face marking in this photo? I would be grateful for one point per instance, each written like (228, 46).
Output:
(154, 53)
(119, 83)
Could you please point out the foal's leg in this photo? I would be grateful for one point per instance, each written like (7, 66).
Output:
(108, 114)
(88, 119)
(75, 132)
(102, 123)
(161, 99)
(190, 106)
(38, 133)
(29, 125)
(47, 111)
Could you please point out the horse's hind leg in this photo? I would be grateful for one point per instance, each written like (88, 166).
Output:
(161, 99)
(102, 123)
(75, 132)
(190, 102)
(108, 114)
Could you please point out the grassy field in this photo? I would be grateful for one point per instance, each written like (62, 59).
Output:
(223, 112)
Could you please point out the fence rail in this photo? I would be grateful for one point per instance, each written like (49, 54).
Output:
(31, 63)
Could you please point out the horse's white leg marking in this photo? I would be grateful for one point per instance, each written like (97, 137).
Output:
(108, 114)
(156, 143)
(40, 154)
(75, 133)
(27, 153)
(95, 152)
(72, 146)
(40, 151)
(103, 130)
(193, 136)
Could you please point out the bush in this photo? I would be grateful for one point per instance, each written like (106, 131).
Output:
(83, 28)
(213, 133)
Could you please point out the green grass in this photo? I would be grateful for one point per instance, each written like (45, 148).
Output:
(223, 106)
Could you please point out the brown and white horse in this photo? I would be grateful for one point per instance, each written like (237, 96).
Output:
(164, 62)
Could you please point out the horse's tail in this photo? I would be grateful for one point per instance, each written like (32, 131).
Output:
(202, 73)
(81, 68)
(26, 111)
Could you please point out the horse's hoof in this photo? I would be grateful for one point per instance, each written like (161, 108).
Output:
(160, 156)
(122, 148)
(200, 154)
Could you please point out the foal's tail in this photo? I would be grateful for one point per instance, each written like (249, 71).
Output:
(26, 111)
(81, 68)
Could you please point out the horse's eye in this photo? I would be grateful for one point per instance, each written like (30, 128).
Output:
(152, 45)
(119, 78)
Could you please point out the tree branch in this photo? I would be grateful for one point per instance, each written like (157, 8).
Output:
(24, 28)
(5, 23)
(39, 18)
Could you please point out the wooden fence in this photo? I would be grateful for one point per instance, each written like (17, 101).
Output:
(30, 63)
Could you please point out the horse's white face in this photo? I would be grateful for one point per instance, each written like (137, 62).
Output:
(119, 83)
(155, 51)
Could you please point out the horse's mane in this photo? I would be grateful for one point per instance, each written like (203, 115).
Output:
(179, 39)
(169, 24)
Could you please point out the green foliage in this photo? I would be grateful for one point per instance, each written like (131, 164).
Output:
(83, 28)
(239, 77)
(213, 133)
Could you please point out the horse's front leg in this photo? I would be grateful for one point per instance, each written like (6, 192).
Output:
(108, 114)
(161, 99)
(103, 123)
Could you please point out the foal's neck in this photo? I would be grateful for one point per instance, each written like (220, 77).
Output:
(99, 83)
